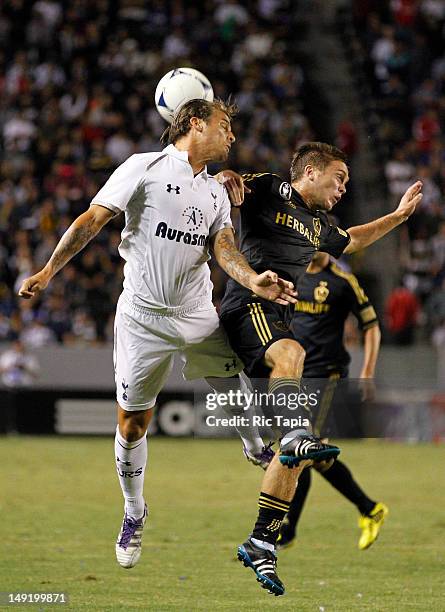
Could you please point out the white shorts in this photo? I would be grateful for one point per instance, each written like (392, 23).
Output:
(145, 342)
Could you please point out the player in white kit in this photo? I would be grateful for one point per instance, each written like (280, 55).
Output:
(174, 211)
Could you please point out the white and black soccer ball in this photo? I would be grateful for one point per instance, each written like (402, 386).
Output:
(178, 87)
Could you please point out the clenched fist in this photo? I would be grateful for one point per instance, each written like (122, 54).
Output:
(33, 285)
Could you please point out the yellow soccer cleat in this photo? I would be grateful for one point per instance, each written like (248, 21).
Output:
(370, 525)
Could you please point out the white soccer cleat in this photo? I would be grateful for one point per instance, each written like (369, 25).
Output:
(129, 541)
(263, 458)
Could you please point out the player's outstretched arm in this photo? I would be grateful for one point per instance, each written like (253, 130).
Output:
(371, 346)
(78, 235)
(364, 235)
(266, 285)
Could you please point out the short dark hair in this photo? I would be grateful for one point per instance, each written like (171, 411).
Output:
(319, 154)
(202, 109)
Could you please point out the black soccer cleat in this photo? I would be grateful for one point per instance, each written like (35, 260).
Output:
(264, 564)
(296, 447)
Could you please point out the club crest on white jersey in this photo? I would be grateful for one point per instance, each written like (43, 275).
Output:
(170, 216)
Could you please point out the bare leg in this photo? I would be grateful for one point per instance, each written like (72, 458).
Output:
(281, 481)
(133, 424)
(286, 358)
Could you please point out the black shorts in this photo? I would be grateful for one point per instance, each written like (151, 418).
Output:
(252, 328)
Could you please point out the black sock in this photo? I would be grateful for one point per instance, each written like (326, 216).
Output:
(287, 403)
(339, 476)
(270, 516)
(297, 503)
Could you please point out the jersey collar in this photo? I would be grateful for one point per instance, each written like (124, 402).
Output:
(183, 156)
(296, 196)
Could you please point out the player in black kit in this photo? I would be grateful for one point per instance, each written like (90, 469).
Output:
(287, 223)
(326, 296)
(276, 225)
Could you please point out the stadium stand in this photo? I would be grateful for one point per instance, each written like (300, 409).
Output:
(399, 63)
(77, 99)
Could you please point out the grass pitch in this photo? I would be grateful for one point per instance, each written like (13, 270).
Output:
(61, 510)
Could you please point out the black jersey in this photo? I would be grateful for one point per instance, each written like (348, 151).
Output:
(281, 233)
(324, 301)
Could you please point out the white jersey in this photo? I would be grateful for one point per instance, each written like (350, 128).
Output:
(169, 217)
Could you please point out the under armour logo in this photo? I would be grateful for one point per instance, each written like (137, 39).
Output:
(124, 394)
(230, 365)
(123, 462)
(176, 189)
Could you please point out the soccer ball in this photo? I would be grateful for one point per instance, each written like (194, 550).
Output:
(178, 87)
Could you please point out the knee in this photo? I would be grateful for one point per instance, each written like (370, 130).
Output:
(133, 425)
(294, 355)
(131, 431)
(289, 356)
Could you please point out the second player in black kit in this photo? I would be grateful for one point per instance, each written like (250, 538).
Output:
(326, 296)
(276, 226)
(325, 300)
(286, 223)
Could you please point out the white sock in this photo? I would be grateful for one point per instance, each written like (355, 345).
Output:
(249, 432)
(263, 544)
(131, 459)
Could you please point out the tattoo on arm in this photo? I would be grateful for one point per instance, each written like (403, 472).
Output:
(74, 239)
(231, 260)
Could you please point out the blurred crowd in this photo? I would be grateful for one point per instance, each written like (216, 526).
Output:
(77, 82)
(404, 45)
